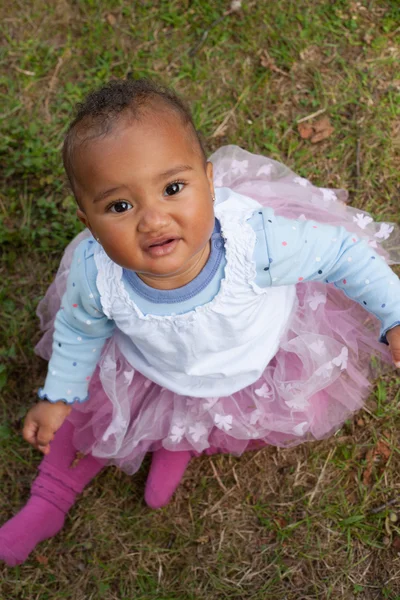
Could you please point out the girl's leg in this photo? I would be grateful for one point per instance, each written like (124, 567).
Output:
(52, 495)
(166, 472)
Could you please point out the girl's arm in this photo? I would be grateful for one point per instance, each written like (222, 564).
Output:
(81, 330)
(296, 251)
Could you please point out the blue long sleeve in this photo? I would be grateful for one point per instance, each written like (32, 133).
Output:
(81, 330)
(295, 251)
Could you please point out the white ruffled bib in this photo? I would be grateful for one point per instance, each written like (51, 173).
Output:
(220, 347)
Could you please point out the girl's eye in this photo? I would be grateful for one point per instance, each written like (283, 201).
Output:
(174, 188)
(120, 207)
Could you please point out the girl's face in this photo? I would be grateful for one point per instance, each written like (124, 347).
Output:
(146, 194)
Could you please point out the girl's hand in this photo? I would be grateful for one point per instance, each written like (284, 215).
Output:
(393, 337)
(42, 421)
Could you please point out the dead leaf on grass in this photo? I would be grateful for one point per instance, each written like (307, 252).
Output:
(305, 130)
(323, 130)
(380, 453)
(111, 19)
(316, 132)
(203, 539)
(396, 543)
(383, 450)
(43, 560)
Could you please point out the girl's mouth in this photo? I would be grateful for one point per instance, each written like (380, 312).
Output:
(162, 247)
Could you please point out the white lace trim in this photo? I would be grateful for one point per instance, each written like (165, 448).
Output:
(240, 241)
(108, 276)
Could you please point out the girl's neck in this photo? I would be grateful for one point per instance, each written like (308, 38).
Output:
(177, 280)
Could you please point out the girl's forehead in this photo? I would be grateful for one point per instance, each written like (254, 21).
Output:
(138, 151)
(154, 134)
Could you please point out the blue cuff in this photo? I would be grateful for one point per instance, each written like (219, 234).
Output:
(43, 396)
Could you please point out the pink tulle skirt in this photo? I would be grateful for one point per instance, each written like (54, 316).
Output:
(128, 415)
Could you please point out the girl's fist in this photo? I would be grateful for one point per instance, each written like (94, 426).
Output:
(41, 423)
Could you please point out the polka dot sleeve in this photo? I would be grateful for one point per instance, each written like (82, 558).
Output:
(81, 330)
(294, 251)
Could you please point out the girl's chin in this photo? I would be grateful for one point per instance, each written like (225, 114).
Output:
(164, 274)
(163, 268)
(166, 279)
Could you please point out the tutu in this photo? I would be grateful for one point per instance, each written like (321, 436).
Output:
(299, 396)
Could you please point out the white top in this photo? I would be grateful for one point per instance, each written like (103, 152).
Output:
(188, 353)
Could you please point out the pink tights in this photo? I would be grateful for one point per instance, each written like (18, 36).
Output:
(59, 482)
(52, 494)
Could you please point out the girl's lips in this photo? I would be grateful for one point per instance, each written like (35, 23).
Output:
(163, 248)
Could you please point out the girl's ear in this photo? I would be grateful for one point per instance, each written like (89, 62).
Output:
(210, 177)
(83, 218)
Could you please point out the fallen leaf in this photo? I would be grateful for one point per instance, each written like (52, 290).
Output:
(305, 130)
(111, 19)
(203, 539)
(323, 129)
(396, 543)
(370, 462)
(317, 131)
(383, 450)
(322, 124)
(43, 560)
(322, 135)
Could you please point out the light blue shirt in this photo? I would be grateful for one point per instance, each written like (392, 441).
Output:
(286, 252)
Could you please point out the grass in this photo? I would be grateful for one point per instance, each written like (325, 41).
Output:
(278, 524)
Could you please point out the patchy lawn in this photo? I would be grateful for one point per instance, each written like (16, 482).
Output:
(318, 521)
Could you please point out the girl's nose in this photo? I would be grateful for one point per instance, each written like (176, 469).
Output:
(153, 219)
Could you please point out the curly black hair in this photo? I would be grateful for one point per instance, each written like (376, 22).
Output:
(103, 108)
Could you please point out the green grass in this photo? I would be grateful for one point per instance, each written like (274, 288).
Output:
(297, 523)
